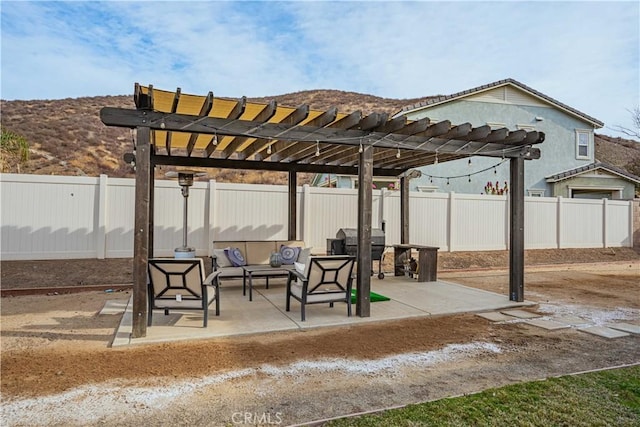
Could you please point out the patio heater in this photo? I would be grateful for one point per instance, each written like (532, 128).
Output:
(185, 180)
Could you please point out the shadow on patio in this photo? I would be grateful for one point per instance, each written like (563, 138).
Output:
(266, 313)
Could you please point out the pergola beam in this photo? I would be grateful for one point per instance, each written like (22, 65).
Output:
(293, 142)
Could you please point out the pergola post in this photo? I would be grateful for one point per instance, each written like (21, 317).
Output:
(293, 205)
(365, 207)
(404, 209)
(516, 235)
(152, 187)
(141, 231)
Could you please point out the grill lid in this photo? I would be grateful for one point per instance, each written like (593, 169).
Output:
(350, 236)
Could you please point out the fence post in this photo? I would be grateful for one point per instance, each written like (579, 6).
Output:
(604, 222)
(559, 222)
(306, 214)
(101, 235)
(451, 235)
(507, 223)
(212, 193)
(383, 192)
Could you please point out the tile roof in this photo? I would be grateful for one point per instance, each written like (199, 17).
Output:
(593, 166)
(433, 100)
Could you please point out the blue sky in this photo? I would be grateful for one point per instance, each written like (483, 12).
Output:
(584, 54)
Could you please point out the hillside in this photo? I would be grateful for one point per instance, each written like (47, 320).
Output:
(66, 136)
(620, 152)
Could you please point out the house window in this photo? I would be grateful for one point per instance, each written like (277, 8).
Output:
(582, 145)
(535, 193)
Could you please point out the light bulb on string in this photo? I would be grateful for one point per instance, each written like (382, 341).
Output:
(214, 141)
(494, 170)
(398, 153)
(431, 179)
(435, 161)
(469, 178)
(447, 181)
(360, 149)
(317, 148)
(163, 124)
(269, 149)
(469, 164)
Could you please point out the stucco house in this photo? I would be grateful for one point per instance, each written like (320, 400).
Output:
(567, 166)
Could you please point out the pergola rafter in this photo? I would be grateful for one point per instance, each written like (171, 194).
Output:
(195, 131)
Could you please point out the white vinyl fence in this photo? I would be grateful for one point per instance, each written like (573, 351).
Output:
(56, 217)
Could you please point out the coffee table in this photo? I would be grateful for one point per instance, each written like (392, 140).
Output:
(259, 270)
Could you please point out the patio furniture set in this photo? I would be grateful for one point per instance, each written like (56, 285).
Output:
(180, 284)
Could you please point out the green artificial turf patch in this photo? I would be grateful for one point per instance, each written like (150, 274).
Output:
(373, 297)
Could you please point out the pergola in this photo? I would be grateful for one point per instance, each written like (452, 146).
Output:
(178, 129)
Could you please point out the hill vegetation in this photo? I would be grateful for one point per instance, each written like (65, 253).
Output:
(66, 136)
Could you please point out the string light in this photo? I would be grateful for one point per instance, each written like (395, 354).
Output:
(317, 148)
(431, 179)
(435, 162)
(494, 170)
(269, 149)
(467, 175)
(214, 141)
(447, 181)
(398, 153)
(360, 149)
(469, 164)
(163, 124)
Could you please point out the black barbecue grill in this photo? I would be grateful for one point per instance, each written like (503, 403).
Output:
(346, 243)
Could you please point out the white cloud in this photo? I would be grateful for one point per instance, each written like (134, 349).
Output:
(583, 54)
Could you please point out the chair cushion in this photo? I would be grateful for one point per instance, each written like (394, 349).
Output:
(235, 256)
(259, 252)
(333, 294)
(303, 257)
(289, 254)
(300, 268)
(221, 258)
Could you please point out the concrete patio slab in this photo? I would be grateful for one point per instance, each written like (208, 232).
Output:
(496, 316)
(521, 314)
(625, 327)
(604, 332)
(114, 306)
(266, 313)
(548, 324)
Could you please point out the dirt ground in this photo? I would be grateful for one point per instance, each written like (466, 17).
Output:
(57, 367)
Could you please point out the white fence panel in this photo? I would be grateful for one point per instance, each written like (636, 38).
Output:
(169, 218)
(329, 209)
(480, 223)
(540, 222)
(48, 217)
(618, 224)
(428, 219)
(120, 215)
(582, 223)
(250, 212)
(53, 217)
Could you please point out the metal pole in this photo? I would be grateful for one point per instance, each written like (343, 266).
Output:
(185, 193)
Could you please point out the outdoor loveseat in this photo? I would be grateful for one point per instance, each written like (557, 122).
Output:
(229, 256)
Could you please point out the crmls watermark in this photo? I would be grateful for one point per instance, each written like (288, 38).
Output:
(257, 418)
